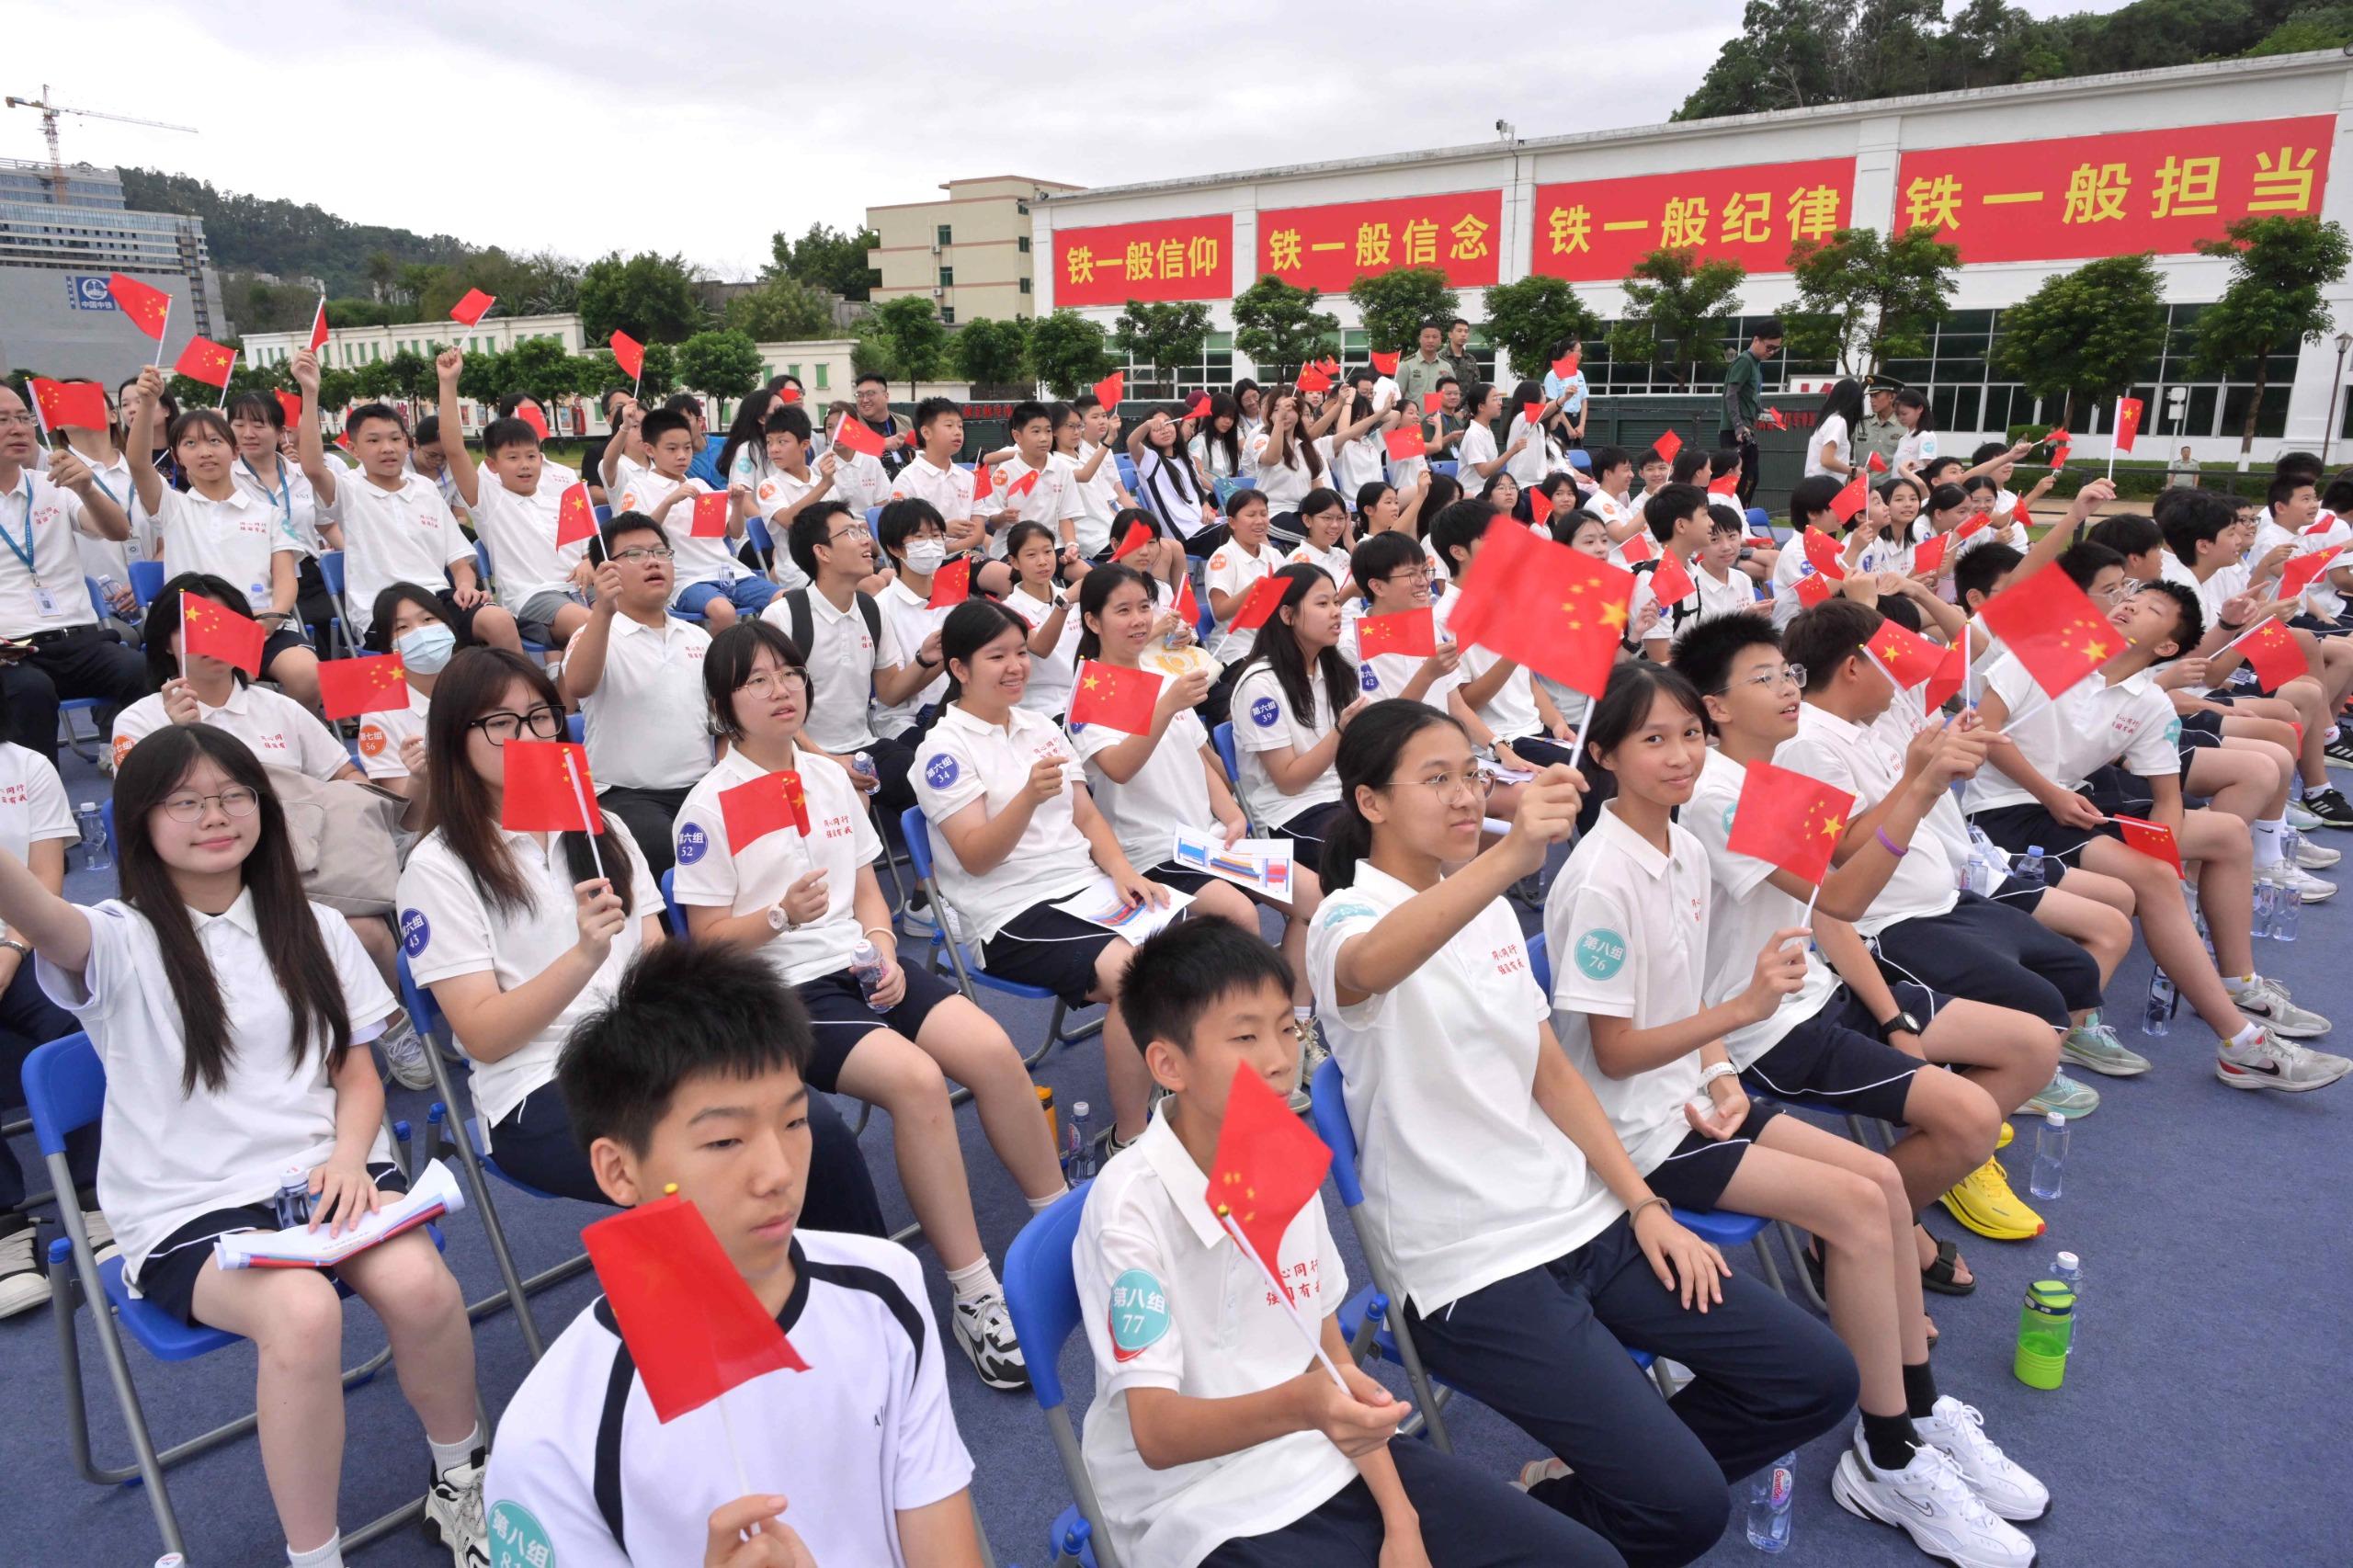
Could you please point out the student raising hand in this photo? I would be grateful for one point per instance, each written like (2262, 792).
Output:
(1548, 813)
(775, 1545)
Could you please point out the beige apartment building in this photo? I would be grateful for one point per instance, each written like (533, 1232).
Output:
(968, 253)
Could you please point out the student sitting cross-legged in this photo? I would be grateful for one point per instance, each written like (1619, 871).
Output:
(689, 1080)
(225, 1007)
(1214, 1437)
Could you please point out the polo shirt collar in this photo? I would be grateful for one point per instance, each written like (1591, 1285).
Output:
(1839, 729)
(1647, 857)
(239, 915)
(629, 626)
(1188, 1184)
(1380, 886)
(955, 715)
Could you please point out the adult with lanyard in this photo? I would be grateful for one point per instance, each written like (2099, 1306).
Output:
(52, 645)
(874, 412)
(1744, 399)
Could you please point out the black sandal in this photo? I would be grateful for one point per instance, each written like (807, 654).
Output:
(1940, 1275)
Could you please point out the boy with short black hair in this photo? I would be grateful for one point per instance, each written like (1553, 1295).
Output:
(1611, 498)
(1102, 494)
(914, 538)
(711, 582)
(1039, 485)
(1677, 516)
(543, 585)
(931, 476)
(792, 483)
(1393, 575)
(1212, 1439)
(690, 1081)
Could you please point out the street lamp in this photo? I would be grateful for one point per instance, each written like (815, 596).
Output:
(2344, 347)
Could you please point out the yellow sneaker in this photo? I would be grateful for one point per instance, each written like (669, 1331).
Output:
(1983, 1201)
(2007, 1133)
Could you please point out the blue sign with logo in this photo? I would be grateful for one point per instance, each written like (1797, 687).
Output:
(1264, 712)
(417, 932)
(941, 771)
(90, 292)
(1367, 679)
(693, 843)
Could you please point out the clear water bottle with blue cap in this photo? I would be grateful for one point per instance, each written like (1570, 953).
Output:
(293, 1205)
(867, 968)
(2030, 868)
(1770, 1492)
(2068, 1270)
(1078, 1143)
(862, 763)
(97, 855)
(2049, 1157)
(2158, 1019)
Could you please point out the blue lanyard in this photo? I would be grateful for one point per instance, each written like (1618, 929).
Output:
(282, 497)
(24, 551)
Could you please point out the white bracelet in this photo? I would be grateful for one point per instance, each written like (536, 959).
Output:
(1716, 1070)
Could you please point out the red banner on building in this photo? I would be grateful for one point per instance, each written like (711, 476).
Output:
(1169, 258)
(1331, 247)
(2081, 196)
(1594, 231)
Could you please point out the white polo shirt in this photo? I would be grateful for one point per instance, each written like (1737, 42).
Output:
(520, 532)
(1052, 501)
(1169, 791)
(1169, 1302)
(1099, 500)
(167, 1157)
(1714, 596)
(1263, 720)
(449, 928)
(2320, 599)
(949, 488)
(1859, 760)
(1285, 486)
(964, 759)
(842, 658)
(1742, 914)
(1386, 675)
(380, 735)
(777, 489)
(708, 558)
(860, 480)
(51, 596)
(285, 490)
(33, 808)
(1237, 569)
(863, 1436)
(1466, 1180)
(1334, 562)
(275, 727)
(1050, 674)
(235, 540)
(646, 722)
(1511, 713)
(1358, 463)
(712, 873)
(2070, 736)
(1626, 926)
(1477, 446)
(112, 557)
(392, 535)
(909, 617)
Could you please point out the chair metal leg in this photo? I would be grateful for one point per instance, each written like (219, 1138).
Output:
(1426, 1395)
(459, 1136)
(1082, 1488)
(1765, 1267)
(1795, 1239)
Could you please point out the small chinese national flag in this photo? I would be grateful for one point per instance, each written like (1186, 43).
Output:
(548, 789)
(2295, 578)
(528, 413)
(207, 361)
(1116, 698)
(470, 310)
(852, 434)
(2271, 653)
(1953, 673)
(1404, 443)
(1386, 364)
(1724, 484)
(1637, 549)
(1109, 389)
(1821, 553)
(951, 585)
(2058, 444)
(1265, 597)
(1410, 632)
(1433, 404)
(2153, 839)
(216, 631)
(1139, 534)
(1544, 606)
(1532, 412)
(148, 307)
(1929, 553)
(1978, 523)
(629, 354)
(290, 404)
(983, 480)
(1566, 365)
(1789, 818)
(1312, 378)
(710, 515)
(1906, 655)
(1540, 508)
(758, 807)
(1188, 609)
(1812, 589)
(2127, 423)
(2022, 513)
(1666, 446)
(1023, 486)
(80, 406)
(1199, 408)
(1670, 583)
(1771, 419)
(1852, 498)
(693, 1325)
(1268, 1167)
(348, 687)
(1878, 464)
(319, 326)
(575, 517)
(2055, 631)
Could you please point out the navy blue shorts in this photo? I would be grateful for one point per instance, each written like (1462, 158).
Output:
(1988, 951)
(1306, 833)
(1835, 1061)
(1050, 948)
(2027, 825)
(1695, 1175)
(167, 1280)
(1168, 874)
(839, 1018)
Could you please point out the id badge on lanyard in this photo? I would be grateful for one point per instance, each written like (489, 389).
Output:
(50, 608)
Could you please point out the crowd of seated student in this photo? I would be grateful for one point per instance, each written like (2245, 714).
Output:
(1519, 1178)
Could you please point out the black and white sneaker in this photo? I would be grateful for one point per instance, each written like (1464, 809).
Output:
(2329, 806)
(985, 1328)
(23, 1286)
(453, 1514)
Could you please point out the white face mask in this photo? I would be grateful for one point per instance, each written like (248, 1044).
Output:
(426, 649)
(926, 555)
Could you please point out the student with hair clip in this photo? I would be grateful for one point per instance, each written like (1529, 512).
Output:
(1169, 486)
(805, 902)
(263, 470)
(1287, 462)
(1830, 448)
(1014, 830)
(1919, 443)
(1293, 694)
(1051, 616)
(1528, 1248)
(217, 528)
(226, 1006)
(542, 585)
(1628, 917)
(1324, 520)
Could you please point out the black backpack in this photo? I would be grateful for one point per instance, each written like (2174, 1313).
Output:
(797, 605)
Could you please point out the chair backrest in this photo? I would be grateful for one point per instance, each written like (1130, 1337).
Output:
(65, 1090)
(873, 517)
(482, 564)
(416, 998)
(916, 831)
(1222, 738)
(1043, 1293)
(1329, 1093)
(146, 581)
(330, 570)
(106, 815)
(1539, 963)
(576, 729)
(98, 606)
(670, 903)
(755, 529)
(604, 516)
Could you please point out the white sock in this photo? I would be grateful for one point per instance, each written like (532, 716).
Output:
(2247, 1035)
(2235, 983)
(1040, 1205)
(327, 1556)
(448, 1457)
(2267, 840)
(973, 1279)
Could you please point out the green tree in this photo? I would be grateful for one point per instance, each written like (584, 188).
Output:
(1068, 352)
(413, 374)
(1279, 328)
(991, 353)
(1678, 309)
(372, 381)
(782, 311)
(2279, 269)
(650, 297)
(910, 333)
(1169, 337)
(383, 272)
(335, 389)
(1864, 299)
(482, 378)
(542, 369)
(825, 257)
(1527, 322)
(537, 285)
(722, 364)
(2085, 333)
(1394, 306)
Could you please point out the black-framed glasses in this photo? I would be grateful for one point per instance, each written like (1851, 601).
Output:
(236, 801)
(541, 723)
(767, 683)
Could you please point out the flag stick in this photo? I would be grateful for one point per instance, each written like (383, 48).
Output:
(183, 636)
(40, 419)
(581, 795)
(1576, 741)
(224, 380)
(1880, 666)
(164, 336)
(1291, 1308)
(1807, 918)
(2116, 423)
(1968, 698)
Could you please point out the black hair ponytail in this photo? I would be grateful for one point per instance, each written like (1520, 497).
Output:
(1368, 756)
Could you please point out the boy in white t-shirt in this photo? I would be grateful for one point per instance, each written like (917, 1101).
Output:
(542, 583)
(712, 583)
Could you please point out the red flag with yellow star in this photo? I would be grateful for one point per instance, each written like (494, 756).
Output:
(758, 807)
(147, 306)
(1907, 656)
(1544, 606)
(215, 632)
(548, 789)
(80, 406)
(1268, 1168)
(2053, 629)
(1116, 698)
(575, 517)
(2127, 423)
(207, 361)
(348, 687)
(1822, 551)
(1409, 631)
(1670, 583)
(2271, 653)
(1789, 818)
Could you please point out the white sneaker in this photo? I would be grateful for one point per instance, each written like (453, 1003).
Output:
(23, 1286)
(1928, 1501)
(1535, 1473)
(453, 1514)
(984, 1329)
(1999, 1480)
(2265, 1001)
(101, 1235)
(2314, 856)
(2266, 1063)
(2312, 889)
(404, 1054)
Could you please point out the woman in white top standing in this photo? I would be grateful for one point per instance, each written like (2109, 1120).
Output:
(807, 902)
(1053, 619)
(1289, 463)
(1014, 830)
(1919, 443)
(226, 1009)
(1831, 447)
(1292, 695)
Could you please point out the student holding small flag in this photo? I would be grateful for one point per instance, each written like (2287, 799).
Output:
(406, 629)
(261, 423)
(1036, 560)
(1288, 462)
(711, 582)
(799, 887)
(1394, 634)
(1171, 488)
(854, 1460)
(1293, 694)
(539, 553)
(99, 443)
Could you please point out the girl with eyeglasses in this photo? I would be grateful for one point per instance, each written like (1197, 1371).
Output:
(226, 1009)
(265, 470)
(805, 900)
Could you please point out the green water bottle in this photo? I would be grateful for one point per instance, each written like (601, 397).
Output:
(2045, 1326)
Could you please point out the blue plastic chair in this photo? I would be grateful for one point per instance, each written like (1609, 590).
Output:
(604, 516)
(1223, 739)
(873, 517)
(676, 917)
(146, 581)
(339, 639)
(576, 729)
(1042, 1296)
(65, 1090)
(68, 707)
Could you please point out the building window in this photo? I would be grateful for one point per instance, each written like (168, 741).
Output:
(1025, 285)
(948, 315)
(1021, 244)
(946, 235)
(822, 382)
(946, 278)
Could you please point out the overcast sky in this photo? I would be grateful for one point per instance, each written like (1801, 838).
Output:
(583, 132)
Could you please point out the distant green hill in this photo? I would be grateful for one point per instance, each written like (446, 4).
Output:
(250, 234)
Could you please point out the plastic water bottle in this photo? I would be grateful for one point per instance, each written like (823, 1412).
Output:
(2068, 1270)
(2031, 870)
(862, 763)
(107, 590)
(292, 1204)
(1769, 1494)
(866, 964)
(2158, 1019)
(1078, 1143)
(2287, 901)
(2267, 899)
(1986, 863)
(2050, 1156)
(97, 855)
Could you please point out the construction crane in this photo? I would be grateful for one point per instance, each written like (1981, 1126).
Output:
(49, 113)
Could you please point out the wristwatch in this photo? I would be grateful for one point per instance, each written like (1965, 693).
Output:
(1903, 1023)
(780, 921)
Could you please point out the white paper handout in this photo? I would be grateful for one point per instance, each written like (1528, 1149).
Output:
(1263, 864)
(433, 1194)
(1100, 904)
